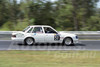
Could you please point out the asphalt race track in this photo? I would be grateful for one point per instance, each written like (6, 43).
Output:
(83, 45)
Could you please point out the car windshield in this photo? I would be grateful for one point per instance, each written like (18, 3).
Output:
(26, 29)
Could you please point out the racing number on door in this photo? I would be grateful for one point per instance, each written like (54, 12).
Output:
(56, 37)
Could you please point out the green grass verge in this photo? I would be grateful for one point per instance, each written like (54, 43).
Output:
(49, 58)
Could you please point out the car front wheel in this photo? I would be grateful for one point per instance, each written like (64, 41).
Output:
(29, 41)
(68, 41)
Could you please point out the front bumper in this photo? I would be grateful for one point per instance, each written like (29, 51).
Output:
(76, 41)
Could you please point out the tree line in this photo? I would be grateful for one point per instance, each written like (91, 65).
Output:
(69, 15)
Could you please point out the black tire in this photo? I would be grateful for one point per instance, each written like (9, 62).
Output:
(29, 41)
(68, 41)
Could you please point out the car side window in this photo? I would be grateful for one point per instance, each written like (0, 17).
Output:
(37, 30)
(30, 30)
(49, 30)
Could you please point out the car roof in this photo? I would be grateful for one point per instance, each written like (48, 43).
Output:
(40, 26)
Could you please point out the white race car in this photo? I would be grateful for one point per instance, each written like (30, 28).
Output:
(43, 34)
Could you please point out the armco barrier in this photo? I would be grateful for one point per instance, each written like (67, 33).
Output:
(6, 35)
(85, 34)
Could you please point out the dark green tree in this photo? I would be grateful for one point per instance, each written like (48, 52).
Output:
(3, 12)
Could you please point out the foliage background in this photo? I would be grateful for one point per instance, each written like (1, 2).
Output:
(68, 15)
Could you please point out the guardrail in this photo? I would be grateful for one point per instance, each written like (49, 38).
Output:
(7, 32)
(6, 35)
(85, 34)
(74, 32)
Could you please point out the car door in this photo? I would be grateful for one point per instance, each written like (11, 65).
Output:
(38, 34)
(51, 35)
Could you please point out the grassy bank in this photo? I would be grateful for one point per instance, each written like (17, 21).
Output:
(49, 58)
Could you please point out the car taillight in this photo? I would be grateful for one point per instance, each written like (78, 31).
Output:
(13, 35)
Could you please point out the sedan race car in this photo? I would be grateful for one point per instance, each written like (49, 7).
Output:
(43, 34)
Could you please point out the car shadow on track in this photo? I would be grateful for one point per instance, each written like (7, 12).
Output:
(80, 45)
(53, 44)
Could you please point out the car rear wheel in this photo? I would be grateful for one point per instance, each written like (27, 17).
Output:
(29, 41)
(68, 41)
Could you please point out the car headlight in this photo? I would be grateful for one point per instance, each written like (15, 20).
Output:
(76, 37)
